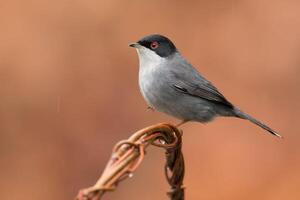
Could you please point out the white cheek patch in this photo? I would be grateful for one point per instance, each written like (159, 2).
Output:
(148, 57)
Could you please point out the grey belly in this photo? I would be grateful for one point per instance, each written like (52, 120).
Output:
(182, 106)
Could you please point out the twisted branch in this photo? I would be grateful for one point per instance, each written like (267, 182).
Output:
(128, 154)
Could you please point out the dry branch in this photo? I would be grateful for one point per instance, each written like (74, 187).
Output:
(128, 154)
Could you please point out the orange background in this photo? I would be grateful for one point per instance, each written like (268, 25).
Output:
(69, 92)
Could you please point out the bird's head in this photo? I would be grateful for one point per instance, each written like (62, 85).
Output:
(154, 48)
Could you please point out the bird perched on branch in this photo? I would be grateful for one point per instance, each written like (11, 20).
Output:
(170, 84)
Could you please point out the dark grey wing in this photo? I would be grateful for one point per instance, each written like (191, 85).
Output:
(189, 81)
(201, 88)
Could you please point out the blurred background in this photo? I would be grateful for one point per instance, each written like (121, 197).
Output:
(69, 92)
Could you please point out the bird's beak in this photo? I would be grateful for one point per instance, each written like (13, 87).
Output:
(134, 45)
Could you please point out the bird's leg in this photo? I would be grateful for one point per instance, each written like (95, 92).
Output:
(182, 122)
(150, 108)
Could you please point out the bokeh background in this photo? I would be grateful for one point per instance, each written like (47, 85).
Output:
(69, 92)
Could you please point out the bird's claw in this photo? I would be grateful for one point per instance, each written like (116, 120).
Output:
(150, 108)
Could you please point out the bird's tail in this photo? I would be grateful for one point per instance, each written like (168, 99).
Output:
(242, 115)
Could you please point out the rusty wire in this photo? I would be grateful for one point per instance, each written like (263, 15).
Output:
(127, 155)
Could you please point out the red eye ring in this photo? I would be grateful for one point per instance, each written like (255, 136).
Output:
(154, 45)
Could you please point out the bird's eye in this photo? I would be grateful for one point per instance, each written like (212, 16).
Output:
(154, 45)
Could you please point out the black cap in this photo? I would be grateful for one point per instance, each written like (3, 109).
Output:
(160, 44)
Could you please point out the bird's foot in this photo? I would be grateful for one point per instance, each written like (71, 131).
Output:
(182, 122)
(150, 108)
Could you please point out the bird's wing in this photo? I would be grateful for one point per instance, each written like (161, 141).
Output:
(198, 86)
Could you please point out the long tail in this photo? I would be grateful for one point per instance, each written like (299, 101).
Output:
(243, 115)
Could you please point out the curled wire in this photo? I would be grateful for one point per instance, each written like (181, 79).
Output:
(128, 154)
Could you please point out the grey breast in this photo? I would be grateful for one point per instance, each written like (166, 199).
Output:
(157, 88)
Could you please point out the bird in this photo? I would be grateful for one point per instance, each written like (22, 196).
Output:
(171, 85)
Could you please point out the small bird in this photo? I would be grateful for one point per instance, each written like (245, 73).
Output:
(170, 84)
